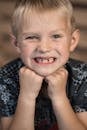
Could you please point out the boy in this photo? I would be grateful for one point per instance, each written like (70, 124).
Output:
(44, 90)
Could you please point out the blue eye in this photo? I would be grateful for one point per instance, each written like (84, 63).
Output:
(56, 36)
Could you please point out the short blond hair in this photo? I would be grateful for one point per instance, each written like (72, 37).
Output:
(39, 5)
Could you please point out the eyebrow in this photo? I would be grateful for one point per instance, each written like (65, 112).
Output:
(38, 33)
(30, 33)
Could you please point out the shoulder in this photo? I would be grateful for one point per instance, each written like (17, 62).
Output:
(78, 72)
(78, 85)
(9, 87)
(77, 65)
(11, 68)
(78, 69)
(9, 77)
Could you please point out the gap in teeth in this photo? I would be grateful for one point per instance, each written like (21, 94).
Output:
(45, 60)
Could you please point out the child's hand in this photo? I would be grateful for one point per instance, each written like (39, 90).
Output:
(57, 84)
(30, 83)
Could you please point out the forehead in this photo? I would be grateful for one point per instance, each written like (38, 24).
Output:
(44, 20)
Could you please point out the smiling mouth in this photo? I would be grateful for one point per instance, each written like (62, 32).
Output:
(44, 60)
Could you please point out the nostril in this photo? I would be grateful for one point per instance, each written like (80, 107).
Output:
(43, 48)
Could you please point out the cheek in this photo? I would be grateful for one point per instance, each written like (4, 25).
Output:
(26, 52)
(64, 53)
(63, 49)
(27, 48)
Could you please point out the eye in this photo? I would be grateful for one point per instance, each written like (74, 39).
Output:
(32, 38)
(56, 36)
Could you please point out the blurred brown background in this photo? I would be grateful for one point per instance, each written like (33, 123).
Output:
(8, 52)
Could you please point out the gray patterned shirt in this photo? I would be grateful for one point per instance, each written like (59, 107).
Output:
(76, 91)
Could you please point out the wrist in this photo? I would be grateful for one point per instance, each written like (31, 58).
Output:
(58, 97)
(59, 101)
(27, 98)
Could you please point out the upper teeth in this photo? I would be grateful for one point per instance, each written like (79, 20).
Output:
(44, 60)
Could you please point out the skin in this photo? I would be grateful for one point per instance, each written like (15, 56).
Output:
(45, 44)
(42, 39)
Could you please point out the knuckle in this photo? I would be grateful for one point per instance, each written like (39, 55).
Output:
(64, 72)
(21, 71)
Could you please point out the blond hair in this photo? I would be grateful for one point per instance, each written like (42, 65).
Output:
(39, 5)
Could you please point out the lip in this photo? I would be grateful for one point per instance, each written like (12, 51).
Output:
(44, 60)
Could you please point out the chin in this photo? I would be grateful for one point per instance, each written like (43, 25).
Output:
(44, 73)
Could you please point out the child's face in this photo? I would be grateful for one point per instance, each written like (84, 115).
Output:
(45, 42)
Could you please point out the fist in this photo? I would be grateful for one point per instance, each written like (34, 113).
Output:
(30, 82)
(57, 83)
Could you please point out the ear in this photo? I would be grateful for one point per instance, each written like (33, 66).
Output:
(15, 42)
(74, 40)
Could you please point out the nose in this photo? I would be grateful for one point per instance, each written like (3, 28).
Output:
(44, 46)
